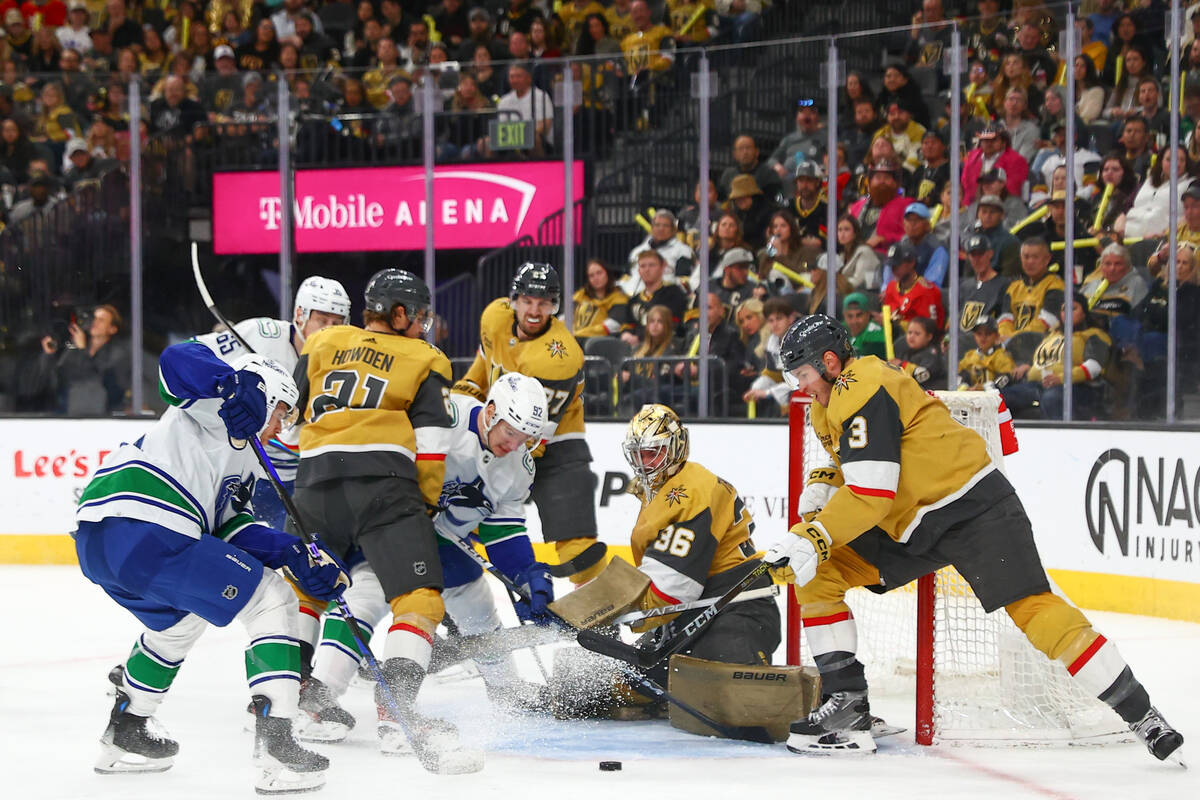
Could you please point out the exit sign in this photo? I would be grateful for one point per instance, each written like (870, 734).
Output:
(510, 134)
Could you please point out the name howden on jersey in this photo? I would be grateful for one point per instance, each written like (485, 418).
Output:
(366, 355)
(355, 212)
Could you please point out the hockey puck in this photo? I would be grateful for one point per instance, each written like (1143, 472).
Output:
(610, 766)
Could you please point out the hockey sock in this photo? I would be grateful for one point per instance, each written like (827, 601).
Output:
(833, 636)
(338, 654)
(415, 617)
(273, 655)
(154, 662)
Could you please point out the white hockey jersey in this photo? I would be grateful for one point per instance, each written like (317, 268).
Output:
(183, 474)
(480, 490)
(277, 340)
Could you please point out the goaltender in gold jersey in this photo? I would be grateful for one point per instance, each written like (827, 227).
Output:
(520, 334)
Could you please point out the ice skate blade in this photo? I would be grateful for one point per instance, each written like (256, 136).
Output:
(308, 729)
(833, 743)
(115, 761)
(880, 728)
(281, 780)
(1177, 758)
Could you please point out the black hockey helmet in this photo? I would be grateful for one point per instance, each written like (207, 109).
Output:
(392, 287)
(807, 341)
(537, 280)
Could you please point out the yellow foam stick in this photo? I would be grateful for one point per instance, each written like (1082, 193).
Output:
(1100, 209)
(889, 345)
(1091, 241)
(1101, 288)
(1034, 217)
(1119, 72)
(699, 15)
(793, 276)
(935, 215)
(640, 220)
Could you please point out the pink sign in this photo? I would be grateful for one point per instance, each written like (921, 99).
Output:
(383, 208)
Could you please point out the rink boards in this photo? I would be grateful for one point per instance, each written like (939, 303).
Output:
(1116, 512)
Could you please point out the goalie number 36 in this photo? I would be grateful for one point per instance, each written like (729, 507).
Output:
(673, 540)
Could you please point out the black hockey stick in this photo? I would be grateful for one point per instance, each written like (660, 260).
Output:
(647, 657)
(751, 733)
(588, 558)
(313, 552)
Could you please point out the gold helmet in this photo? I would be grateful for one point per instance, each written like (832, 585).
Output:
(655, 447)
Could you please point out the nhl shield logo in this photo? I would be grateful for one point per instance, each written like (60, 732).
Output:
(419, 567)
(230, 592)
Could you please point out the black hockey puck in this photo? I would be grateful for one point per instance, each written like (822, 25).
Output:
(610, 766)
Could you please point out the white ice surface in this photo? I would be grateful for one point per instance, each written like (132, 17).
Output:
(62, 634)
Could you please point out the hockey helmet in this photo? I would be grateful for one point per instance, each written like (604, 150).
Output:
(537, 280)
(320, 294)
(277, 384)
(807, 341)
(655, 447)
(391, 287)
(520, 401)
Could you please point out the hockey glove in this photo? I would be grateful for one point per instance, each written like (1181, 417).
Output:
(244, 406)
(317, 571)
(820, 486)
(795, 558)
(535, 580)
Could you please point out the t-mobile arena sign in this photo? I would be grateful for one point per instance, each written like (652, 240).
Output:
(383, 208)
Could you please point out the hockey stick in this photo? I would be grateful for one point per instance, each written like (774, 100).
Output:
(662, 611)
(313, 552)
(646, 658)
(751, 733)
(589, 557)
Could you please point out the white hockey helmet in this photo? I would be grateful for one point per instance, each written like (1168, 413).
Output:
(277, 384)
(521, 402)
(320, 294)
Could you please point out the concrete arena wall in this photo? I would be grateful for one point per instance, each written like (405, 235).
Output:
(1116, 512)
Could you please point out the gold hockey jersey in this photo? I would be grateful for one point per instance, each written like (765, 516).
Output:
(977, 367)
(554, 358)
(1091, 349)
(373, 404)
(643, 49)
(695, 529)
(590, 313)
(1032, 305)
(901, 454)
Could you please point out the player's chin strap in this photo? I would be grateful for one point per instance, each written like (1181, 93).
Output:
(752, 733)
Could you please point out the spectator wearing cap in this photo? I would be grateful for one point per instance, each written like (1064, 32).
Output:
(75, 34)
(253, 105)
(908, 294)
(220, 90)
(806, 143)
(898, 85)
(595, 300)
(993, 152)
(982, 293)
(932, 259)
(1030, 302)
(664, 238)
(752, 208)
(18, 37)
(866, 335)
(933, 171)
(40, 200)
(479, 32)
(175, 114)
(736, 283)
(810, 206)
(988, 365)
(1018, 122)
(125, 32)
(989, 221)
(993, 182)
(747, 161)
(1147, 217)
(904, 133)
(83, 166)
(881, 212)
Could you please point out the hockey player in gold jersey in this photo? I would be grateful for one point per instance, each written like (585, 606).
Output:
(521, 334)
(375, 408)
(910, 491)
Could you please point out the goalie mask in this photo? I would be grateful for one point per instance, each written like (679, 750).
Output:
(806, 343)
(277, 385)
(655, 447)
(320, 294)
(519, 401)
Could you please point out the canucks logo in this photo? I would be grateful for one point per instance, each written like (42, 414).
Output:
(556, 349)
(464, 495)
(676, 496)
(236, 492)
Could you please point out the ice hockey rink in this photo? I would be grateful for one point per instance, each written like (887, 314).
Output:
(63, 634)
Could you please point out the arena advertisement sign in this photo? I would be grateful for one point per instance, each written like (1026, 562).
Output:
(383, 208)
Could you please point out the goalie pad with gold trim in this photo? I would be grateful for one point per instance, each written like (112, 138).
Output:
(742, 694)
(617, 589)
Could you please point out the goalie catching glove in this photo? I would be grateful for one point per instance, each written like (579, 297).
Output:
(821, 484)
(796, 557)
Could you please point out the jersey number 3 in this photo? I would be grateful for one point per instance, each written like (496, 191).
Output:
(858, 433)
(339, 392)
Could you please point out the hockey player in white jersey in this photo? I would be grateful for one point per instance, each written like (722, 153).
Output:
(320, 302)
(165, 527)
(489, 469)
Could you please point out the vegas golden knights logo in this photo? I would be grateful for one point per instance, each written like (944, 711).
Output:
(1024, 315)
(224, 99)
(1049, 352)
(971, 312)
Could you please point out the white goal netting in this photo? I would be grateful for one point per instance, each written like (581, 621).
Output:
(989, 684)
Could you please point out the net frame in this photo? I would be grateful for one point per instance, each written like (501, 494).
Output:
(975, 677)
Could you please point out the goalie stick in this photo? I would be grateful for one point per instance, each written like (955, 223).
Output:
(751, 733)
(662, 611)
(314, 553)
(647, 657)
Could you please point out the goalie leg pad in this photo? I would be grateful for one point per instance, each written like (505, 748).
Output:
(619, 588)
(584, 685)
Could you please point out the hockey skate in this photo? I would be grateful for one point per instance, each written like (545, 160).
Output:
(435, 742)
(285, 766)
(321, 718)
(133, 744)
(1163, 741)
(841, 726)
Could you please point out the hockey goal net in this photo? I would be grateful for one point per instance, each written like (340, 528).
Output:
(975, 677)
